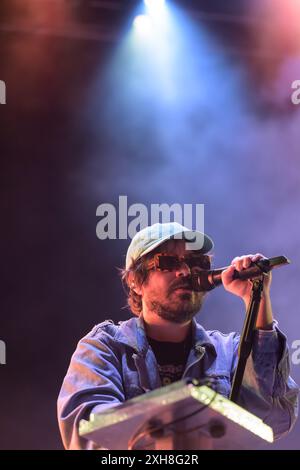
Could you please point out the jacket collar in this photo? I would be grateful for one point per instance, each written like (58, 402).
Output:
(132, 333)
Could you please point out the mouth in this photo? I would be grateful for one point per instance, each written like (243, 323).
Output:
(183, 288)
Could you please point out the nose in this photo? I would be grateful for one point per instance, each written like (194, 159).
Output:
(183, 271)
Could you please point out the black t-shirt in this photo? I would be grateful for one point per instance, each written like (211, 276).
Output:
(171, 358)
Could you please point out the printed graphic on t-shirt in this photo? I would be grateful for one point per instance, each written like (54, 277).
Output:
(170, 373)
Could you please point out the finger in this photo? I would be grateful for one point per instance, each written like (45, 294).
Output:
(247, 260)
(239, 263)
(227, 274)
(257, 257)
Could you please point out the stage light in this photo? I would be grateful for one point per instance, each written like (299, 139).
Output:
(143, 24)
(154, 3)
(155, 7)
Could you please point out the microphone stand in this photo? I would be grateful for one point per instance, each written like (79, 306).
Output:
(247, 336)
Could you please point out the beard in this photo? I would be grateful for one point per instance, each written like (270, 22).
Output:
(177, 310)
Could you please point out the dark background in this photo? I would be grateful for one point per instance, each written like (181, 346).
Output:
(73, 137)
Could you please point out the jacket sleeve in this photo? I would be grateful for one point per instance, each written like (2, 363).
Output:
(94, 379)
(267, 390)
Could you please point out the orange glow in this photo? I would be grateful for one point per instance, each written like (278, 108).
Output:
(41, 14)
(280, 28)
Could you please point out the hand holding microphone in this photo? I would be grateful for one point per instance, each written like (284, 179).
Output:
(233, 277)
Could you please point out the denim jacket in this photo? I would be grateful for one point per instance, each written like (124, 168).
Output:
(114, 363)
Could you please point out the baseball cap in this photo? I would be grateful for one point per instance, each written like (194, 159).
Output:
(149, 238)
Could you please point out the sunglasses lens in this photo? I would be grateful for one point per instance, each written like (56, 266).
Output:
(167, 263)
(202, 262)
(172, 262)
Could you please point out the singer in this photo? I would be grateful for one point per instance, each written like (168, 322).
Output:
(163, 342)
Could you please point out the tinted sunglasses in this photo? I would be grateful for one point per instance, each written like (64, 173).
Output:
(166, 262)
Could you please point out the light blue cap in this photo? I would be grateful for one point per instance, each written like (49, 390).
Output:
(151, 237)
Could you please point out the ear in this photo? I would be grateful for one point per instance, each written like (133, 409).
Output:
(133, 285)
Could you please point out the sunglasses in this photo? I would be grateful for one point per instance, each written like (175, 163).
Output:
(166, 262)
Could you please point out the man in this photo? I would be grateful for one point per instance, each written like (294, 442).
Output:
(114, 363)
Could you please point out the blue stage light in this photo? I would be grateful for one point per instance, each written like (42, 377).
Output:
(143, 24)
(154, 3)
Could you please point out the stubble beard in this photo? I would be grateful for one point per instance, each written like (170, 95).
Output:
(177, 311)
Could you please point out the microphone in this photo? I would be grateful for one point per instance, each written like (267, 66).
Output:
(207, 280)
